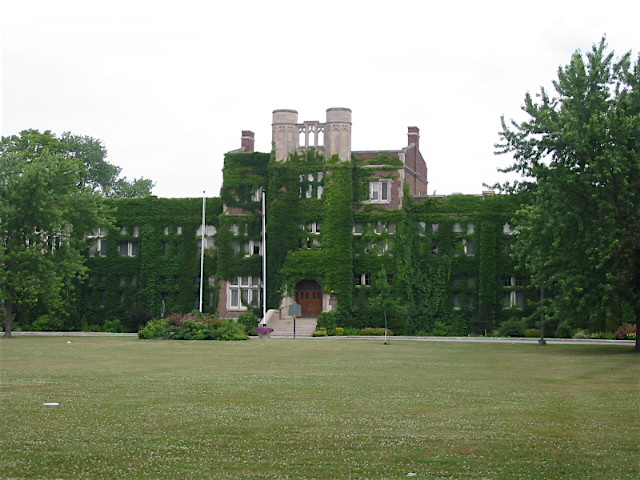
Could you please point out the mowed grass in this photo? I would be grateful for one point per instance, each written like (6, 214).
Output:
(317, 408)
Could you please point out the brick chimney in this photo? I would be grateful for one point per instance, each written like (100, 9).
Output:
(414, 137)
(248, 141)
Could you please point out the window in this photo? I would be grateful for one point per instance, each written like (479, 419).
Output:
(243, 292)
(457, 228)
(98, 247)
(234, 229)
(257, 195)
(178, 230)
(209, 232)
(379, 191)
(313, 227)
(435, 227)
(457, 300)
(128, 249)
(469, 247)
(391, 227)
(136, 231)
(357, 229)
(379, 228)
(470, 228)
(252, 247)
(165, 230)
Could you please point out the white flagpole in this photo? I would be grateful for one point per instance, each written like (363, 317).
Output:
(202, 251)
(264, 257)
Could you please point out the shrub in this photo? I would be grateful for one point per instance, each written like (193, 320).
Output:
(328, 320)
(46, 323)
(156, 328)
(626, 331)
(512, 328)
(338, 331)
(249, 321)
(532, 333)
(563, 330)
(230, 330)
(320, 332)
(581, 333)
(378, 332)
(113, 326)
(604, 335)
(440, 329)
(193, 327)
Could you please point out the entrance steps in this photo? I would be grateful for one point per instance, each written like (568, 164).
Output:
(283, 327)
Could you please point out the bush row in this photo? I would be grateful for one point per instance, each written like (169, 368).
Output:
(193, 326)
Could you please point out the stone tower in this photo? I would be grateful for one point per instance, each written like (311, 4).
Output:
(330, 138)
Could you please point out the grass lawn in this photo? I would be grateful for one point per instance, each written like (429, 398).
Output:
(316, 408)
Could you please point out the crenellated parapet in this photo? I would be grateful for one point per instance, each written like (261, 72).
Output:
(331, 138)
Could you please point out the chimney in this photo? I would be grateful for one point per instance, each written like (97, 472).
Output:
(414, 137)
(247, 141)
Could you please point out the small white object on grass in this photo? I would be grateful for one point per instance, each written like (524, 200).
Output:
(68, 341)
(411, 474)
(50, 404)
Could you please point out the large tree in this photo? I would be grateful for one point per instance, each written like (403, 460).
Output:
(97, 174)
(46, 209)
(578, 152)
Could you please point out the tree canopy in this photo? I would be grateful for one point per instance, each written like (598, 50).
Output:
(51, 197)
(578, 153)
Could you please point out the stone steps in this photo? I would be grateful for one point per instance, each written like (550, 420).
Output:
(284, 327)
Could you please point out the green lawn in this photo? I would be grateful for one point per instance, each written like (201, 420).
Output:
(316, 408)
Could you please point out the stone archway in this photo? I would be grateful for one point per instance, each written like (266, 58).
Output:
(309, 296)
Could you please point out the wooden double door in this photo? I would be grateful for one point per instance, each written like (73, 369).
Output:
(309, 297)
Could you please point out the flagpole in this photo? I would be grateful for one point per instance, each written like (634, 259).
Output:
(264, 258)
(202, 251)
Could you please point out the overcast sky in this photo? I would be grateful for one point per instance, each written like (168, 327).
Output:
(168, 86)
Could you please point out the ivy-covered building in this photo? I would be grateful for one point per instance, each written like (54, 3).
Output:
(353, 232)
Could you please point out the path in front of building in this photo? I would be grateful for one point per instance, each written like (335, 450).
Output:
(550, 341)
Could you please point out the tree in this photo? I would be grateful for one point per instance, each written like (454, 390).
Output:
(45, 212)
(579, 155)
(98, 175)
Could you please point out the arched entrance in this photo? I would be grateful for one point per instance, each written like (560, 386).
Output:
(309, 297)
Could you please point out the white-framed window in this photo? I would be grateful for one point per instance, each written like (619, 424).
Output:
(363, 279)
(435, 227)
(178, 230)
(165, 231)
(244, 291)
(422, 228)
(209, 240)
(469, 247)
(379, 191)
(457, 227)
(128, 249)
(257, 195)
(457, 300)
(357, 229)
(507, 230)
(252, 247)
(513, 298)
(123, 231)
(234, 229)
(312, 227)
(98, 246)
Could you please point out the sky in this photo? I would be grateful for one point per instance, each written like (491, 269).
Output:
(168, 86)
